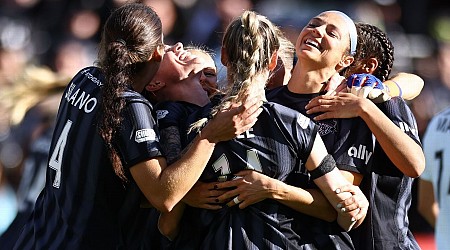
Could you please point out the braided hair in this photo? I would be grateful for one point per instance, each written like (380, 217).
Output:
(130, 36)
(249, 43)
(373, 43)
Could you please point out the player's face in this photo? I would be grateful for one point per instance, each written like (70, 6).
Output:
(324, 40)
(208, 77)
(177, 64)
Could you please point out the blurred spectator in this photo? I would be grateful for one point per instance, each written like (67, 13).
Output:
(33, 103)
(435, 95)
(8, 202)
(172, 18)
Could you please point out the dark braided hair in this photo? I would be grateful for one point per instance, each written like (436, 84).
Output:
(373, 43)
(130, 36)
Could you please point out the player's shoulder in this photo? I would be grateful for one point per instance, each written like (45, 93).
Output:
(441, 121)
(133, 98)
(443, 113)
(287, 114)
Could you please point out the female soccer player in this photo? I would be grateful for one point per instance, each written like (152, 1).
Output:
(281, 144)
(398, 156)
(105, 150)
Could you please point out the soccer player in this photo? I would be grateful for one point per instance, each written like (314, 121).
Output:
(398, 156)
(434, 183)
(105, 153)
(208, 78)
(282, 144)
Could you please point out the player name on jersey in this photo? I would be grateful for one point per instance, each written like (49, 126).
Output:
(443, 125)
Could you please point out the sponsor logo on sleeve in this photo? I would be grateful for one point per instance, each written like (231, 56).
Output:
(361, 153)
(143, 135)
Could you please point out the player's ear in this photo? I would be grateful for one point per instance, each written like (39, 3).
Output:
(345, 62)
(273, 61)
(158, 54)
(371, 65)
(154, 86)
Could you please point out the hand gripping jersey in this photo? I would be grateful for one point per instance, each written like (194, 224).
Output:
(436, 144)
(349, 141)
(84, 205)
(388, 191)
(278, 145)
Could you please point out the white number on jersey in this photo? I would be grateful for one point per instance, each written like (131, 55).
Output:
(439, 156)
(223, 165)
(57, 155)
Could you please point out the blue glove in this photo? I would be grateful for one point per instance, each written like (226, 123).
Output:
(367, 86)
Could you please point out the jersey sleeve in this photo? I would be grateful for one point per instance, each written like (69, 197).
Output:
(401, 115)
(138, 139)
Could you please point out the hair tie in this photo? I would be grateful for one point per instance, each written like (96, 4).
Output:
(351, 29)
(121, 41)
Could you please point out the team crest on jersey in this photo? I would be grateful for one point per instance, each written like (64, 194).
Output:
(327, 127)
(143, 135)
(160, 114)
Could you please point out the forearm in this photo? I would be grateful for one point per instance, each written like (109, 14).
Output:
(182, 175)
(311, 202)
(402, 150)
(405, 85)
(168, 223)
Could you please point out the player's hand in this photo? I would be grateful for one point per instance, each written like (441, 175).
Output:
(230, 123)
(356, 206)
(367, 86)
(335, 85)
(250, 187)
(204, 195)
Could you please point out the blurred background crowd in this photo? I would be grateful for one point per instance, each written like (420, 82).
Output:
(43, 43)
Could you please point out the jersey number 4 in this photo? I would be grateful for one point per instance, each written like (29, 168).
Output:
(57, 154)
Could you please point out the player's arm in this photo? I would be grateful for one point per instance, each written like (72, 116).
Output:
(401, 149)
(164, 186)
(330, 180)
(406, 85)
(426, 203)
(168, 223)
(253, 187)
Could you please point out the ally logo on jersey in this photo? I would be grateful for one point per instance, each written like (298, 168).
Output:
(360, 152)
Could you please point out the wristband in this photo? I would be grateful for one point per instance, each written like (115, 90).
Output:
(327, 165)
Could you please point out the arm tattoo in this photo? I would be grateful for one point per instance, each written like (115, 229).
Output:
(171, 143)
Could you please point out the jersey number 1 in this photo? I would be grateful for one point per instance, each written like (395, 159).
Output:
(57, 155)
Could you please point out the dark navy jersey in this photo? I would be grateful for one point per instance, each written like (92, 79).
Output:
(388, 191)
(83, 202)
(278, 145)
(171, 113)
(349, 141)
